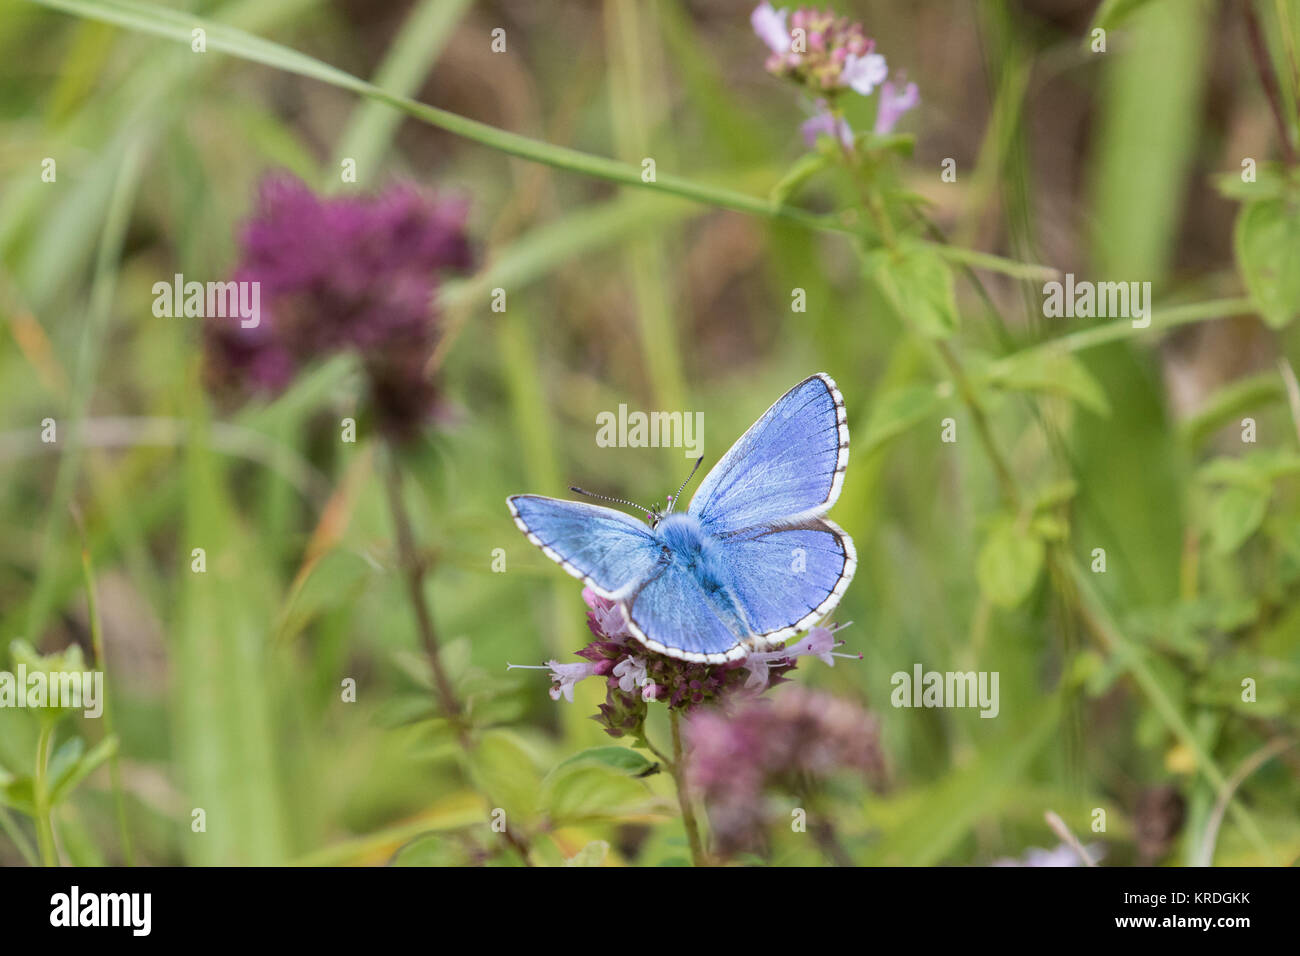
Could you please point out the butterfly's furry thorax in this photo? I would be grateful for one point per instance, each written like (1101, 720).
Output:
(685, 540)
(682, 530)
(701, 555)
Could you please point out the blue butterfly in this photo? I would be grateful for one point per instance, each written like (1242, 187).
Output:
(749, 564)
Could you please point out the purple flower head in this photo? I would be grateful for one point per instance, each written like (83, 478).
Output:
(352, 273)
(777, 743)
(893, 104)
(636, 677)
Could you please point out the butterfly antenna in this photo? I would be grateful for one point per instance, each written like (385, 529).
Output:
(620, 501)
(672, 502)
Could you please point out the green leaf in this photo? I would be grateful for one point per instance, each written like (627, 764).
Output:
(64, 761)
(591, 793)
(1053, 372)
(1259, 467)
(599, 783)
(1270, 183)
(1050, 528)
(504, 765)
(62, 785)
(1055, 494)
(1009, 562)
(1267, 243)
(1112, 13)
(621, 759)
(901, 143)
(1230, 402)
(1234, 513)
(18, 793)
(919, 284)
(805, 167)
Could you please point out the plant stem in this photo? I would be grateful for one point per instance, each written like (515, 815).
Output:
(819, 824)
(1006, 479)
(1117, 331)
(1074, 588)
(44, 821)
(1248, 766)
(176, 25)
(698, 857)
(97, 647)
(1267, 79)
(24, 846)
(413, 568)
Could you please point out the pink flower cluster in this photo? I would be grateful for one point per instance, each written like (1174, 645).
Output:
(797, 736)
(827, 54)
(635, 676)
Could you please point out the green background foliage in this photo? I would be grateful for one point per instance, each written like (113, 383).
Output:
(924, 302)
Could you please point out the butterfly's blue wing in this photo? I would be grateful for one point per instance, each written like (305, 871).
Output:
(787, 566)
(674, 615)
(787, 468)
(611, 552)
(786, 579)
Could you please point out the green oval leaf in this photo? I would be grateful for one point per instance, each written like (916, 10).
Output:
(1234, 513)
(919, 284)
(1009, 563)
(1267, 244)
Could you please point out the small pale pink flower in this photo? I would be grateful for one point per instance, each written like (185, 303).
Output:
(606, 618)
(819, 642)
(894, 102)
(863, 74)
(565, 676)
(631, 673)
(769, 24)
(824, 123)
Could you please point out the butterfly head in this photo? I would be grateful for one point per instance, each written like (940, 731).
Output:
(652, 515)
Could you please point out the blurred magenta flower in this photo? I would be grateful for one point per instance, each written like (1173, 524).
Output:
(893, 104)
(781, 743)
(352, 273)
